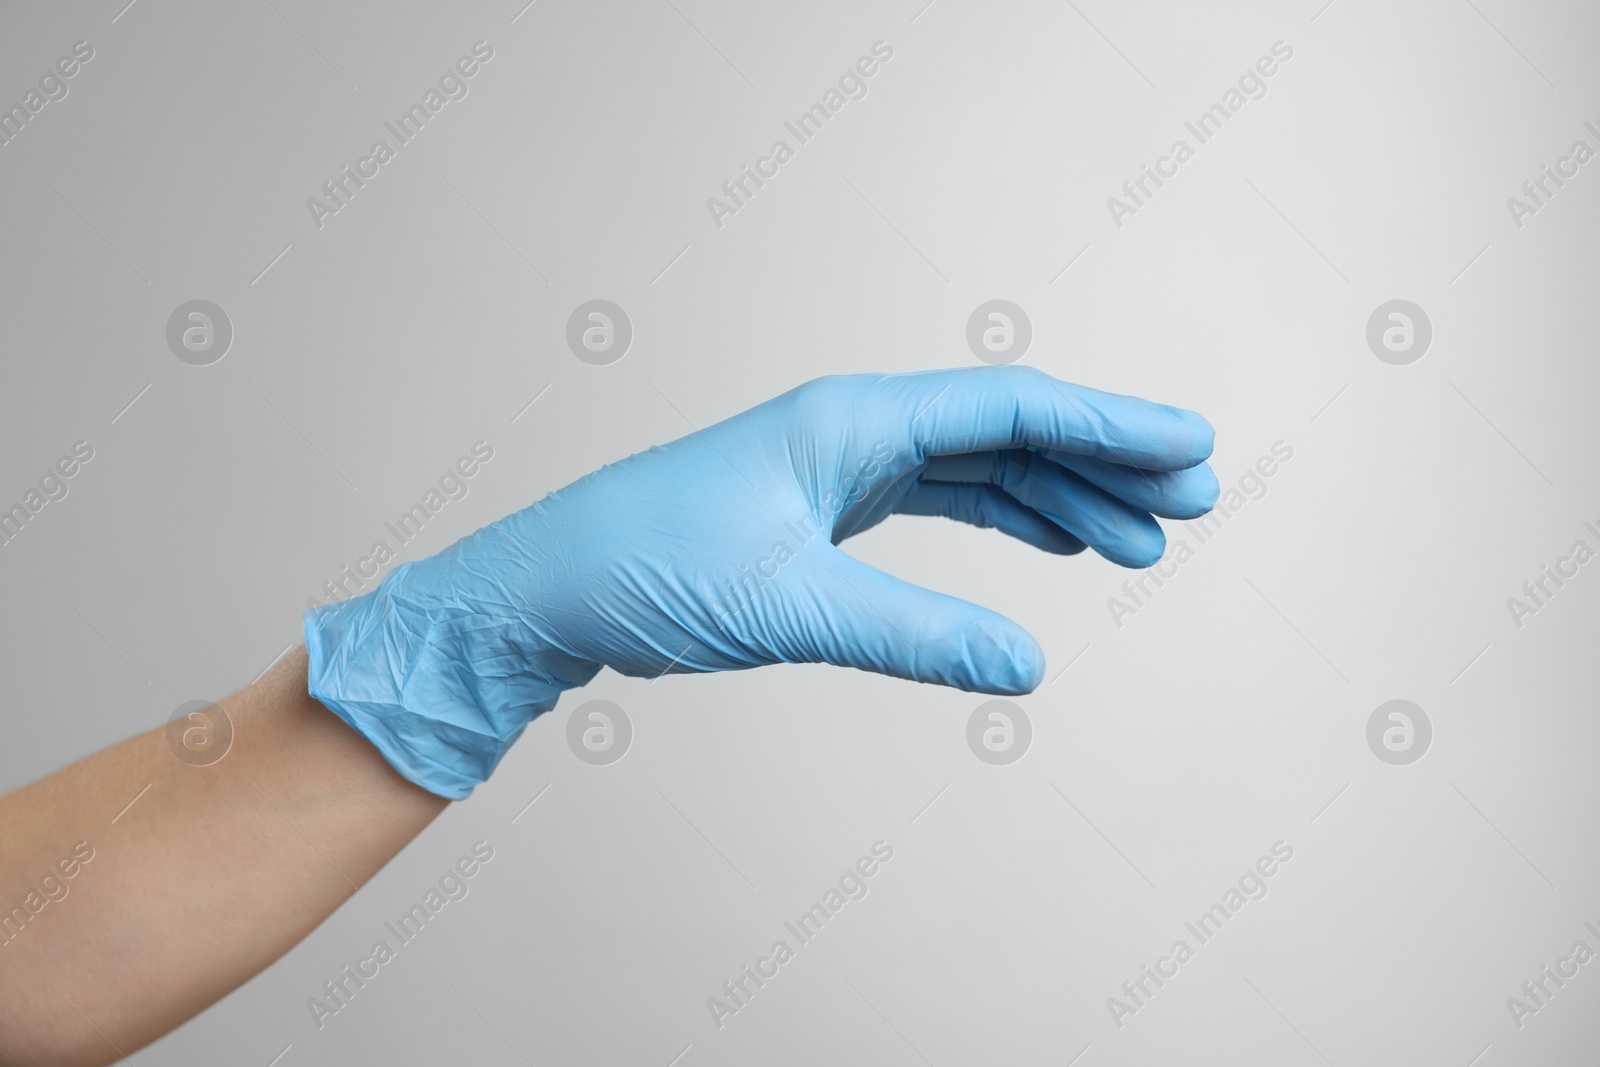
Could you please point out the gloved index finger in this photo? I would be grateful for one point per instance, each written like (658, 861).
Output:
(985, 408)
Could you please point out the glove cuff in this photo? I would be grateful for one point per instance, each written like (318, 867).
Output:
(440, 690)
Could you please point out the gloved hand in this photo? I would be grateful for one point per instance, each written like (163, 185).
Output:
(718, 552)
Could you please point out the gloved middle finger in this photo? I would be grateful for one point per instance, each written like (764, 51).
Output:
(1184, 494)
(1116, 529)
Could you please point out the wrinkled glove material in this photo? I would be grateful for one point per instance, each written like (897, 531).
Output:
(719, 552)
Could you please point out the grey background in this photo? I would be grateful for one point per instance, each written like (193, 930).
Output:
(1228, 714)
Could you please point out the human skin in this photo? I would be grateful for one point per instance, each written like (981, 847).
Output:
(210, 876)
(187, 880)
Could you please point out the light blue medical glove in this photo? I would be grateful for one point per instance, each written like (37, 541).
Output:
(718, 552)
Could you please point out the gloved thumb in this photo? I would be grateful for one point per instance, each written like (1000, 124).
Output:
(876, 622)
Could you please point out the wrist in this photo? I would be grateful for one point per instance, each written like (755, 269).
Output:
(441, 681)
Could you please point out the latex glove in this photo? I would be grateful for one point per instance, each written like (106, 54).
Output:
(718, 552)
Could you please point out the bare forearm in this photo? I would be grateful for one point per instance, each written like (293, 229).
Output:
(210, 875)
